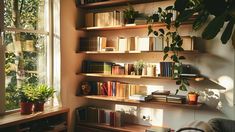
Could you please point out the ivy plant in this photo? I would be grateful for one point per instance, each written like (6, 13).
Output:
(174, 41)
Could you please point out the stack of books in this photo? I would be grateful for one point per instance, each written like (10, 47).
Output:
(160, 95)
(166, 69)
(179, 99)
(100, 115)
(97, 67)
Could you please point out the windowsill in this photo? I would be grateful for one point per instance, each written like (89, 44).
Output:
(16, 118)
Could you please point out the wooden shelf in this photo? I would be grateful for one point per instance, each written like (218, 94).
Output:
(110, 3)
(102, 126)
(149, 103)
(158, 24)
(133, 52)
(132, 76)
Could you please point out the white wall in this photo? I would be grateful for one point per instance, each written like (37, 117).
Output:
(217, 61)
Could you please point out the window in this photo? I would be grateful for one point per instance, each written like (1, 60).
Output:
(27, 44)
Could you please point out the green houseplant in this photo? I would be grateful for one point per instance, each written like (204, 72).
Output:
(130, 14)
(43, 93)
(27, 96)
(138, 66)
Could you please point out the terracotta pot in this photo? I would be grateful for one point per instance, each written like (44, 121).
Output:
(192, 99)
(38, 106)
(26, 108)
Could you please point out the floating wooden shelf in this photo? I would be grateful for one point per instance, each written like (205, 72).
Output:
(158, 24)
(132, 76)
(102, 126)
(110, 3)
(149, 103)
(133, 52)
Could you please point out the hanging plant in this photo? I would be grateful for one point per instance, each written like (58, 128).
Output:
(174, 45)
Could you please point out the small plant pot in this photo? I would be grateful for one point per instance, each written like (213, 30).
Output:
(38, 106)
(26, 108)
(192, 99)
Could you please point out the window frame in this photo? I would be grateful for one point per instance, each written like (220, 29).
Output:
(48, 32)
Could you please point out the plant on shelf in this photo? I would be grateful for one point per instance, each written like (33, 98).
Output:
(138, 66)
(130, 14)
(174, 43)
(27, 96)
(192, 97)
(223, 12)
(43, 93)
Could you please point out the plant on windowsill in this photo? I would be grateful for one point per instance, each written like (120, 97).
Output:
(27, 96)
(130, 15)
(43, 93)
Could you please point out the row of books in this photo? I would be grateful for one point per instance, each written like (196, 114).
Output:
(104, 19)
(112, 88)
(163, 69)
(99, 115)
(166, 69)
(130, 44)
(82, 2)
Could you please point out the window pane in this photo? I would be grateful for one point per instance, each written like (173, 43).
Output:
(26, 62)
(25, 14)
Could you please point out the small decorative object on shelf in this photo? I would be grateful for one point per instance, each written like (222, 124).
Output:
(139, 65)
(193, 97)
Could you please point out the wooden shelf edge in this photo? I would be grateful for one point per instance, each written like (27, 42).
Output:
(114, 3)
(126, 127)
(149, 103)
(134, 52)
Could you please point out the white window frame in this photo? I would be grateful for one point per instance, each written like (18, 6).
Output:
(53, 30)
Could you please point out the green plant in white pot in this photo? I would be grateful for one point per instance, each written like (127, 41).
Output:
(44, 92)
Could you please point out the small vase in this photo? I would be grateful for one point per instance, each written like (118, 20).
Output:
(26, 108)
(38, 106)
(192, 98)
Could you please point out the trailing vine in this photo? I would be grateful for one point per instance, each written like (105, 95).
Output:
(174, 43)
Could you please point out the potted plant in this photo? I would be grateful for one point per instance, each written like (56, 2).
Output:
(44, 92)
(27, 96)
(130, 14)
(138, 66)
(192, 97)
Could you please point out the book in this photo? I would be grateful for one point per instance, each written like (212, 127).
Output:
(158, 44)
(188, 43)
(122, 44)
(161, 92)
(89, 20)
(92, 114)
(138, 97)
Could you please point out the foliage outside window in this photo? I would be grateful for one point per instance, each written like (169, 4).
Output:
(26, 41)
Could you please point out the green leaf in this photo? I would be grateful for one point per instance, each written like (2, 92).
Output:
(214, 27)
(176, 92)
(155, 33)
(159, 9)
(165, 56)
(155, 17)
(162, 31)
(184, 16)
(150, 30)
(175, 58)
(200, 20)
(178, 82)
(169, 8)
(166, 49)
(180, 5)
(185, 81)
(182, 58)
(183, 88)
(227, 32)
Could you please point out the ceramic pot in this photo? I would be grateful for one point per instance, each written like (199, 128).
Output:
(38, 106)
(26, 108)
(192, 99)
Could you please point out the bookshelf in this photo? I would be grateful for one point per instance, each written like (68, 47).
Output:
(149, 103)
(193, 52)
